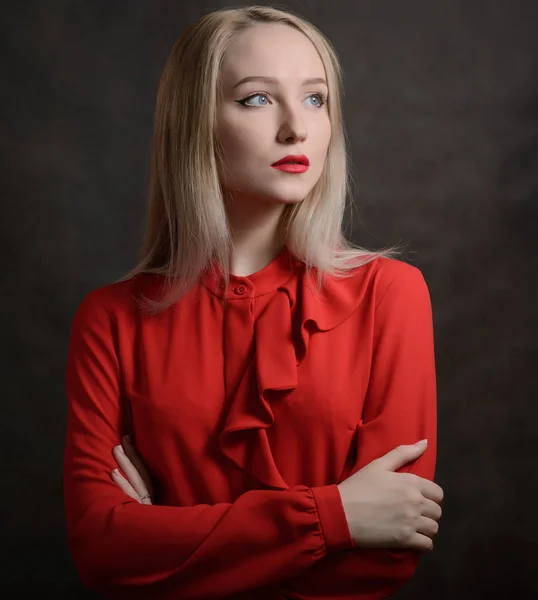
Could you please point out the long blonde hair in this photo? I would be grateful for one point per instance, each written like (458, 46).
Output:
(186, 221)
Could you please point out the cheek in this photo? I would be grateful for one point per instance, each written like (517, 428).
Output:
(319, 143)
(231, 142)
(242, 154)
(324, 135)
(237, 138)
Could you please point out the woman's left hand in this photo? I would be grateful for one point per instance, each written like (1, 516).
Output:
(137, 482)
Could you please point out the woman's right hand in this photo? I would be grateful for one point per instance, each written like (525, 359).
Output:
(385, 509)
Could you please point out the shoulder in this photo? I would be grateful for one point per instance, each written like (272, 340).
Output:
(384, 282)
(375, 279)
(395, 279)
(115, 302)
(400, 297)
(109, 298)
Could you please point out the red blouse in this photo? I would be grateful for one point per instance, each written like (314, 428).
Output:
(247, 415)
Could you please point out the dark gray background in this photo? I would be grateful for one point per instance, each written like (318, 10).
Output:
(441, 110)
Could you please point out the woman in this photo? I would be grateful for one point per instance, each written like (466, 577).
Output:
(272, 376)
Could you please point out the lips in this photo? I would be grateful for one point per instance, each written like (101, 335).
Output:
(292, 159)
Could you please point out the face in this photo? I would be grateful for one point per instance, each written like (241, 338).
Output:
(261, 121)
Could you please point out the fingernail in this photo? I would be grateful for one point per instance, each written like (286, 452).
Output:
(422, 442)
(120, 449)
(115, 472)
(127, 438)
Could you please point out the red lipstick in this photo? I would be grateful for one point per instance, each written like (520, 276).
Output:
(292, 163)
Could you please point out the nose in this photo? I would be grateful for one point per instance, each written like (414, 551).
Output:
(292, 128)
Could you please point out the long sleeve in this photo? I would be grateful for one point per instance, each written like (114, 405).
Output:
(400, 408)
(124, 549)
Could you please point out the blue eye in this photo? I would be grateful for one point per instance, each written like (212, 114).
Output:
(320, 98)
(244, 101)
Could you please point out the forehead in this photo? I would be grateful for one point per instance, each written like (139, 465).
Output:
(272, 50)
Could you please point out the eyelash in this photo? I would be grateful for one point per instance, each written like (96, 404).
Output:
(322, 99)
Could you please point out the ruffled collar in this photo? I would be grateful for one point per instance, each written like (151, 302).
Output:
(282, 335)
(293, 315)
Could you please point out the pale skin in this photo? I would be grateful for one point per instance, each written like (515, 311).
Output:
(283, 115)
(384, 509)
(137, 481)
(283, 111)
(287, 114)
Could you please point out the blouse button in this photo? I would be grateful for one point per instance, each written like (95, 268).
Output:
(240, 289)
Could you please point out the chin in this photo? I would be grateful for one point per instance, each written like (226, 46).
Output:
(291, 195)
(285, 199)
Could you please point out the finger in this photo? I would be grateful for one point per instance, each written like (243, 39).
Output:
(421, 542)
(399, 456)
(132, 455)
(118, 478)
(431, 509)
(431, 490)
(130, 472)
(427, 527)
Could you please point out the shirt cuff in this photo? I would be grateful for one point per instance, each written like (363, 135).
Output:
(333, 518)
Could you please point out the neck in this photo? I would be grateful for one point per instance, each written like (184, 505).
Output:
(255, 233)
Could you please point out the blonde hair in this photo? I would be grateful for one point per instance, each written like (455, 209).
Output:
(186, 221)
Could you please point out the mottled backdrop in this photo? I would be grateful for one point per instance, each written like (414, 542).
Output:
(442, 115)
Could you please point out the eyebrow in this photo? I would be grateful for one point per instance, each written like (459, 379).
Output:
(310, 81)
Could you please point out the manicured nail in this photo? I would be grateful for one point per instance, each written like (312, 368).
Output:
(120, 449)
(422, 442)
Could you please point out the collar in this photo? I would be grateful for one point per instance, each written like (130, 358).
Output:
(266, 280)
